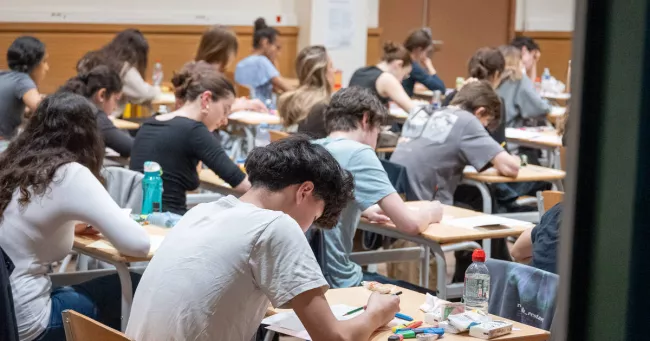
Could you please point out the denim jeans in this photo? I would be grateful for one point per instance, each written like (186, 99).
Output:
(99, 299)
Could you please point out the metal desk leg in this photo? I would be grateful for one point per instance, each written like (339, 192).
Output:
(250, 138)
(558, 185)
(485, 194)
(424, 267)
(441, 279)
(269, 335)
(127, 292)
(487, 247)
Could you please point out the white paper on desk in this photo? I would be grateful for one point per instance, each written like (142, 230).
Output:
(469, 169)
(485, 221)
(288, 322)
(558, 111)
(249, 114)
(548, 138)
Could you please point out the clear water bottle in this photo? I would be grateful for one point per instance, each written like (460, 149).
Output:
(546, 80)
(164, 219)
(152, 188)
(157, 77)
(436, 100)
(476, 293)
(262, 136)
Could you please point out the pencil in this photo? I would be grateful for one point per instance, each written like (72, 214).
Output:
(503, 144)
(364, 307)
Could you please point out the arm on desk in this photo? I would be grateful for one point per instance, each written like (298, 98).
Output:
(315, 314)
(388, 86)
(412, 222)
(522, 251)
(506, 164)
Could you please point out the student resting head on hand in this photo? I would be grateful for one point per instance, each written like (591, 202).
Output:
(103, 86)
(50, 176)
(384, 79)
(218, 47)
(258, 71)
(230, 258)
(179, 140)
(306, 105)
(353, 120)
(436, 146)
(27, 60)
(419, 43)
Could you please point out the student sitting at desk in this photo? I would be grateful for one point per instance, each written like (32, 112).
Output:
(51, 182)
(178, 141)
(436, 148)
(530, 54)
(257, 71)
(384, 79)
(419, 43)
(103, 87)
(127, 54)
(218, 47)
(305, 106)
(27, 60)
(353, 119)
(219, 268)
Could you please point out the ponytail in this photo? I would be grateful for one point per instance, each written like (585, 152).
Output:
(88, 83)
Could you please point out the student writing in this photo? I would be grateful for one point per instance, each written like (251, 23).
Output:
(51, 182)
(305, 106)
(353, 120)
(103, 87)
(384, 79)
(178, 141)
(27, 60)
(231, 257)
(257, 71)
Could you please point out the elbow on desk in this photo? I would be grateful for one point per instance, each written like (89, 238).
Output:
(411, 228)
(137, 248)
(511, 171)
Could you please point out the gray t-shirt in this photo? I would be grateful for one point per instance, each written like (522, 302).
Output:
(435, 148)
(13, 86)
(216, 272)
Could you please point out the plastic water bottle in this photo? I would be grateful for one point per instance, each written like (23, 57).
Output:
(164, 219)
(152, 188)
(157, 77)
(476, 293)
(262, 136)
(437, 99)
(546, 80)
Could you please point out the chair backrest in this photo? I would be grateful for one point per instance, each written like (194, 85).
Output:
(563, 158)
(277, 135)
(522, 293)
(548, 199)
(81, 328)
(125, 187)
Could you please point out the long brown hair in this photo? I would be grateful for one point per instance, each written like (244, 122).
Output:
(197, 77)
(129, 46)
(217, 44)
(311, 67)
(512, 56)
(485, 63)
(419, 38)
(63, 129)
(396, 51)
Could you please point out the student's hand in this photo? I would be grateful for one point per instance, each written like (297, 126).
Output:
(537, 55)
(382, 308)
(256, 105)
(428, 65)
(375, 215)
(435, 211)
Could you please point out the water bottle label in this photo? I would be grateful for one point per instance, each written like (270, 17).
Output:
(477, 288)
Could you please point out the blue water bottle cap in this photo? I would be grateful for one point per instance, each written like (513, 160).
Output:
(151, 167)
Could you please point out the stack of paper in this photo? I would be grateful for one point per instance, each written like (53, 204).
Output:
(485, 221)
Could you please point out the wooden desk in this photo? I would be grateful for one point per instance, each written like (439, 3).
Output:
(381, 152)
(527, 173)
(165, 98)
(534, 138)
(124, 124)
(84, 244)
(410, 302)
(211, 181)
(247, 121)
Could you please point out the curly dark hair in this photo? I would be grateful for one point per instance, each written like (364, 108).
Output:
(129, 46)
(25, 53)
(295, 160)
(63, 129)
(347, 107)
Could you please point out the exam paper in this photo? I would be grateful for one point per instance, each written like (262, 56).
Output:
(485, 221)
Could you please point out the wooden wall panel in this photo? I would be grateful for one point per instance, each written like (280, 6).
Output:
(173, 45)
(556, 51)
(374, 50)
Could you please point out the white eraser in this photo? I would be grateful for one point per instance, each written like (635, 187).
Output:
(490, 330)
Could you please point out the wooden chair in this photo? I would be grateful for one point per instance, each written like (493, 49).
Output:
(548, 199)
(81, 328)
(277, 135)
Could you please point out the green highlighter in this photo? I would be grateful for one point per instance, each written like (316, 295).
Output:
(407, 334)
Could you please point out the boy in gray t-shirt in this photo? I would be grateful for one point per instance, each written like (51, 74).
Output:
(436, 146)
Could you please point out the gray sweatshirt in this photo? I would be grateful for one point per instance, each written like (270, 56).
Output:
(521, 102)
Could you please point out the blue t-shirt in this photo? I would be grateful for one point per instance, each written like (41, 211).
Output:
(371, 184)
(545, 237)
(256, 72)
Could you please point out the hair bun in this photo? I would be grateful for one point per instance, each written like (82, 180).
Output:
(260, 24)
(391, 47)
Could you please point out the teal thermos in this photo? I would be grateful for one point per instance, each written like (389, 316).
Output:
(152, 188)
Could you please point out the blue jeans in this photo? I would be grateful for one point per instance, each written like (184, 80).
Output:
(99, 299)
(373, 276)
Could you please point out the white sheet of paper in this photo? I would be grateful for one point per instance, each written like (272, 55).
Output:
(248, 114)
(469, 169)
(485, 220)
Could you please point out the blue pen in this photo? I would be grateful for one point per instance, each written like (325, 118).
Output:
(403, 317)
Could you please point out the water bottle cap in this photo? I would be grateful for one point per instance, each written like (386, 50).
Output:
(478, 256)
(151, 167)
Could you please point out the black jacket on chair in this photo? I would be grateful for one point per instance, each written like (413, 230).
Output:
(8, 328)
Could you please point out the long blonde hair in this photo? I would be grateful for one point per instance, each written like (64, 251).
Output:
(315, 87)
(512, 55)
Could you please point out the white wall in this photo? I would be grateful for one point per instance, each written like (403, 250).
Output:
(545, 15)
(187, 12)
